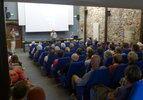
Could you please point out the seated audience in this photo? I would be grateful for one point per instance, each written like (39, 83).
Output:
(135, 48)
(39, 47)
(95, 61)
(132, 57)
(67, 50)
(132, 75)
(36, 93)
(111, 48)
(79, 51)
(14, 61)
(118, 50)
(57, 49)
(106, 55)
(117, 60)
(90, 52)
(60, 54)
(19, 91)
(64, 71)
(50, 53)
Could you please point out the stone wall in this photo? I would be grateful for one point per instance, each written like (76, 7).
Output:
(123, 24)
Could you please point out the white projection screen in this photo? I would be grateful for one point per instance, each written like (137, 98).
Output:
(39, 17)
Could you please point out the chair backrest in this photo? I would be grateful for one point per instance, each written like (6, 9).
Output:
(137, 91)
(81, 58)
(50, 61)
(126, 51)
(98, 77)
(68, 54)
(62, 62)
(140, 55)
(39, 53)
(41, 58)
(118, 74)
(77, 68)
(109, 61)
(125, 58)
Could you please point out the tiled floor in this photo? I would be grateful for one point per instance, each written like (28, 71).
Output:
(52, 89)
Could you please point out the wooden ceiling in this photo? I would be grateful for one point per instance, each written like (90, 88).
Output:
(134, 4)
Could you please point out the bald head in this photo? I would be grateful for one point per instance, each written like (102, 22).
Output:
(95, 61)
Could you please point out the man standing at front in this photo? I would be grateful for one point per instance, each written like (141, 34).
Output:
(53, 35)
(13, 40)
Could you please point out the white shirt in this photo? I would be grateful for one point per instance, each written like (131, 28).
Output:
(53, 35)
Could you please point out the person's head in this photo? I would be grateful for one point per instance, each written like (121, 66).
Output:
(36, 93)
(12, 29)
(79, 51)
(14, 59)
(95, 61)
(118, 50)
(39, 47)
(19, 91)
(13, 76)
(67, 49)
(107, 54)
(71, 45)
(135, 47)
(100, 50)
(112, 47)
(53, 45)
(90, 52)
(132, 57)
(117, 59)
(53, 30)
(133, 74)
(57, 48)
(63, 45)
(125, 45)
(60, 53)
(88, 48)
(47, 48)
(75, 57)
(52, 51)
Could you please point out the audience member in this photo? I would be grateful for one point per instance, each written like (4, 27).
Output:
(132, 57)
(132, 75)
(60, 54)
(117, 60)
(79, 51)
(67, 49)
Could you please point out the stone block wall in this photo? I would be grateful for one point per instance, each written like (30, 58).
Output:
(123, 24)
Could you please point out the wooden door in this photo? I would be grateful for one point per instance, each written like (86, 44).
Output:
(9, 26)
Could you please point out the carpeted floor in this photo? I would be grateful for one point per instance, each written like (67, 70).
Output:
(51, 87)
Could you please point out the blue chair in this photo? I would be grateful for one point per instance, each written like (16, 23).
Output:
(31, 48)
(32, 54)
(68, 54)
(140, 55)
(67, 44)
(118, 74)
(97, 77)
(62, 62)
(77, 68)
(43, 45)
(41, 58)
(125, 58)
(81, 58)
(109, 61)
(47, 65)
(137, 91)
(38, 55)
(126, 51)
